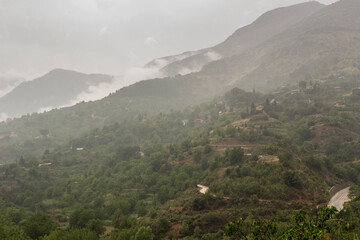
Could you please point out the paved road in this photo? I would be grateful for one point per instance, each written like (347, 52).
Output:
(339, 199)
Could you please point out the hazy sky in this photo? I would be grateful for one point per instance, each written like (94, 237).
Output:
(110, 36)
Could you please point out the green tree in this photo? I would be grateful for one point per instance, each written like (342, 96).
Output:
(44, 132)
(73, 234)
(267, 102)
(234, 155)
(185, 230)
(80, 218)
(197, 155)
(9, 231)
(39, 225)
(230, 131)
(144, 233)
(307, 226)
(162, 225)
(302, 84)
(140, 208)
(199, 204)
(252, 108)
(285, 159)
(207, 149)
(292, 179)
(96, 225)
(302, 133)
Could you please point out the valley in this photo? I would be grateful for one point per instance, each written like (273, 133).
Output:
(248, 143)
(266, 162)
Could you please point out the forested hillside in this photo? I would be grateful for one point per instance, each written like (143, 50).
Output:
(253, 146)
(260, 156)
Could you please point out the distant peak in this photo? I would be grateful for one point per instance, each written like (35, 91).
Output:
(301, 5)
(312, 6)
(347, 2)
(310, 3)
(60, 70)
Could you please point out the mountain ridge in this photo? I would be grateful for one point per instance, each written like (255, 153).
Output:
(263, 28)
(54, 89)
(316, 56)
(316, 47)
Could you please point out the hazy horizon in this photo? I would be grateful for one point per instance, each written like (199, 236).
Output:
(111, 37)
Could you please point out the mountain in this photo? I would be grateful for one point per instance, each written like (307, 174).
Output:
(341, 14)
(264, 28)
(268, 163)
(324, 44)
(57, 88)
(316, 49)
(8, 83)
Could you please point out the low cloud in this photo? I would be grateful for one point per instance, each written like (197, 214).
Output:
(212, 56)
(131, 76)
(11, 78)
(158, 64)
(8, 84)
(104, 30)
(102, 90)
(150, 41)
(197, 65)
(136, 74)
(7, 87)
(49, 108)
(3, 117)
(185, 71)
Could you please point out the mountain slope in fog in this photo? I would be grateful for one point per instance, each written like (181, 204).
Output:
(265, 27)
(327, 43)
(8, 83)
(314, 49)
(324, 44)
(57, 88)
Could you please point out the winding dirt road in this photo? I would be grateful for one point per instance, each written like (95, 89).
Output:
(339, 199)
(203, 189)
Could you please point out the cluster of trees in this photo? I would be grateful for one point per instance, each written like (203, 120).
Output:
(315, 225)
(124, 175)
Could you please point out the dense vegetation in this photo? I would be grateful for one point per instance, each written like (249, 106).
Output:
(144, 99)
(263, 157)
